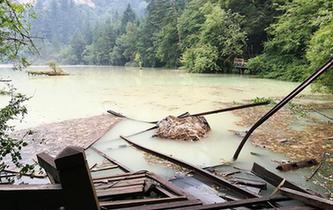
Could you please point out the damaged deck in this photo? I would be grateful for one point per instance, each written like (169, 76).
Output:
(112, 185)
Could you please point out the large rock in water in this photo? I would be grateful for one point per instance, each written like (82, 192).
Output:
(189, 128)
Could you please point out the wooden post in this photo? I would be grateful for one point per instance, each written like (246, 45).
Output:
(47, 162)
(79, 192)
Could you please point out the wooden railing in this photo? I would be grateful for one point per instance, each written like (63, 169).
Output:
(71, 188)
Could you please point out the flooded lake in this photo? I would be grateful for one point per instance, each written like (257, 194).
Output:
(151, 94)
(144, 94)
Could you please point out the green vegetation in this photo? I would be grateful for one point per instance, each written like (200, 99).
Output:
(300, 41)
(263, 99)
(9, 146)
(282, 39)
(14, 37)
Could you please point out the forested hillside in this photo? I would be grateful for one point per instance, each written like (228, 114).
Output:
(59, 22)
(283, 39)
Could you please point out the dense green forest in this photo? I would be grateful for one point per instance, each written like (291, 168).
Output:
(282, 39)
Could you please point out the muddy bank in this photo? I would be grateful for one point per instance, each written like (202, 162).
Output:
(297, 132)
(54, 137)
(281, 134)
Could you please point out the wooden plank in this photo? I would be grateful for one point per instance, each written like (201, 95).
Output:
(79, 192)
(169, 205)
(274, 179)
(124, 174)
(117, 178)
(239, 203)
(105, 156)
(292, 208)
(120, 192)
(173, 188)
(104, 169)
(138, 202)
(212, 177)
(198, 189)
(47, 163)
(31, 196)
(121, 184)
(311, 200)
(165, 192)
(251, 183)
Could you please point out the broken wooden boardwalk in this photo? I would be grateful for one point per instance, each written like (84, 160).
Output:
(78, 187)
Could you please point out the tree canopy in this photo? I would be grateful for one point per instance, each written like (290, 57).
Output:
(14, 33)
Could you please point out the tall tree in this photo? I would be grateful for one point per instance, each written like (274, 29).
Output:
(214, 38)
(128, 17)
(258, 15)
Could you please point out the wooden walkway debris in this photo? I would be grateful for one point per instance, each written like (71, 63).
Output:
(200, 173)
(75, 187)
(121, 166)
(274, 179)
(186, 114)
(311, 200)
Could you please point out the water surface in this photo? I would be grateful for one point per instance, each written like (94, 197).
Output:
(151, 94)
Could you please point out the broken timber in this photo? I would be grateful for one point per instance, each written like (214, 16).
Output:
(311, 200)
(186, 114)
(239, 203)
(197, 171)
(274, 179)
(297, 165)
(77, 190)
(105, 156)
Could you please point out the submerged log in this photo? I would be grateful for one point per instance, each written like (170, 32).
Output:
(190, 128)
(297, 165)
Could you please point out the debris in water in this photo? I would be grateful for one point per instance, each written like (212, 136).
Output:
(297, 165)
(191, 128)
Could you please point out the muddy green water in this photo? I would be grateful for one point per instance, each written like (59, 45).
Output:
(151, 94)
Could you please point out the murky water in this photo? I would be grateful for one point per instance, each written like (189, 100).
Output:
(151, 95)
(146, 94)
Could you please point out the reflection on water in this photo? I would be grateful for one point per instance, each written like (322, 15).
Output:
(150, 95)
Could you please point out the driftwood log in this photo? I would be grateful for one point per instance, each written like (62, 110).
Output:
(297, 165)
